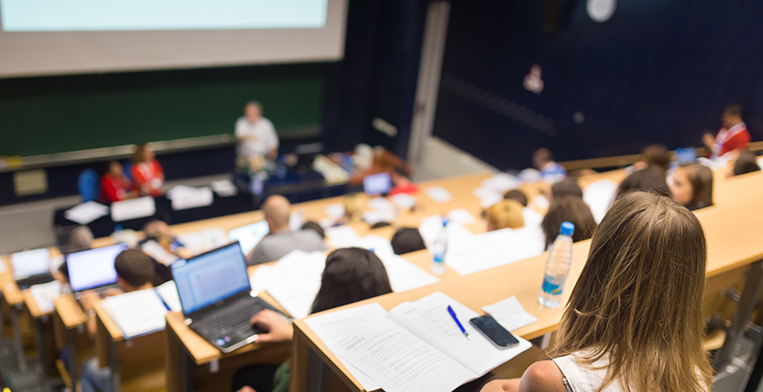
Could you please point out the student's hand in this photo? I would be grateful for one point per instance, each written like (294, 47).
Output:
(112, 292)
(279, 330)
(88, 299)
(246, 389)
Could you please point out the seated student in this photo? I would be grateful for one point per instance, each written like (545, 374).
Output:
(651, 179)
(568, 209)
(147, 172)
(504, 214)
(745, 163)
(80, 238)
(544, 161)
(350, 275)
(516, 195)
(626, 329)
(566, 187)
(281, 239)
(401, 183)
(314, 226)
(654, 155)
(693, 186)
(135, 270)
(406, 240)
(115, 186)
(734, 135)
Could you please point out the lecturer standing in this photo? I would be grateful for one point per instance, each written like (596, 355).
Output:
(256, 135)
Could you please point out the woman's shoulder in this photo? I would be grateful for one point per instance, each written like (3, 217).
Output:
(542, 376)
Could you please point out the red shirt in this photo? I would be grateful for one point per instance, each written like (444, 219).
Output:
(408, 188)
(113, 188)
(148, 177)
(734, 138)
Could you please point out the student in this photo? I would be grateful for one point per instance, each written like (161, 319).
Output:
(544, 161)
(135, 270)
(406, 240)
(634, 318)
(568, 209)
(650, 179)
(745, 163)
(281, 240)
(504, 214)
(314, 226)
(80, 238)
(401, 183)
(115, 186)
(733, 136)
(566, 187)
(146, 171)
(516, 195)
(692, 186)
(350, 275)
(159, 232)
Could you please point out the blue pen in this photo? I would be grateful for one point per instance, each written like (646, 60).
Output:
(461, 327)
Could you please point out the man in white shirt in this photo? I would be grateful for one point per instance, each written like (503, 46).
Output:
(255, 134)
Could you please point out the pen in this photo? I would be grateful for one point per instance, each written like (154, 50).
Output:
(461, 327)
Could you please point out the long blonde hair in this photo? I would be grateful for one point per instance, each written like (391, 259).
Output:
(639, 298)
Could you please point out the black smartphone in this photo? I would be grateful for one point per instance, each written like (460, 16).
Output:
(494, 332)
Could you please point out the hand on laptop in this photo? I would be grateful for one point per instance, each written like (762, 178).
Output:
(279, 330)
(112, 292)
(88, 299)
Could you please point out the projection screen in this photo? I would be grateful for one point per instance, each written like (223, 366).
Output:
(52, 37)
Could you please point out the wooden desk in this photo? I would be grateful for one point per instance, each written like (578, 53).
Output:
(12, 298)
(44, 337)
(69, 329)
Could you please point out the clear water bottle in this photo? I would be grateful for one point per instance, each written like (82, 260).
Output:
(439, 248)
(557, 267)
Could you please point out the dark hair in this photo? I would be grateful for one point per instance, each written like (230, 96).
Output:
(313, 225)
(568, 209)
(733, 109)
(656, 155)
(134, 267)
(745, 163)
(351, 275)
(543, 155)
(516, 195)
(401, 171)
(140, 153)
(566, 187)
(701, 180)
(651, 179)
(379, 225)
(406, 240)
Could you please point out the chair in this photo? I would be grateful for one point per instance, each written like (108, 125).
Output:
(87, 184)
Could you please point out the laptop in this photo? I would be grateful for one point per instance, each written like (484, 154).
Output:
(250, 235)
(31, 267)
(93, 269)
(216, 298)
(377, 184)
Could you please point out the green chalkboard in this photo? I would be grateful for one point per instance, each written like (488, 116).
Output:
(67, 113)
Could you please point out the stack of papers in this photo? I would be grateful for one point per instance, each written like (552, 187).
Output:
(599, 196)
(439, 194)
(414, 347)
(158, 253)
(510, 314)
(185, 197)
(198, 242)
(133, 209)
(137, 313)
(86, 212)
(224, 188)
(45, 294)
(342, 236)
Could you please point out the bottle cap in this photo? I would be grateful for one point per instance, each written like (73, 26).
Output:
(567, 229)
(444, 222)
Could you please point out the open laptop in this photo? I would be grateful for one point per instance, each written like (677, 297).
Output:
(250, 235)
(93, 269)
(216, 298)
(31, 267)
(377, 184)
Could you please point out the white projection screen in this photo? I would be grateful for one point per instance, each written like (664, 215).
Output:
(54, 37)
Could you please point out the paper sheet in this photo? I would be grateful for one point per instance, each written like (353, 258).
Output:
(342, 236)
(540, 202)
(391, 356)
(335, 211)
(599, 196)
(502, 182)
(86, 212)
(198, 242)
(380, 204)
(295, 280)
(153, 249)
(186, 197)
(439, 194)
(468, 253)
(136, 313)
(45, 294)
(30, 262)
(403, 275)
(169, 294)
(375, 216)
(488, 196)
(259, 278)
(461, 216)
(133, 209)
(224, 188)
(403, 200)
(510, 314)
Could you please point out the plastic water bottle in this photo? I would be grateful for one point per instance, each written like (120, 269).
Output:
(557, 267)
(439, 248)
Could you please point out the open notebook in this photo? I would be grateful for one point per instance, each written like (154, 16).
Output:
(142, 312)
(414, 347)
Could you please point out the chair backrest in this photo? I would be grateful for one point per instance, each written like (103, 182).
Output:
(88, 185)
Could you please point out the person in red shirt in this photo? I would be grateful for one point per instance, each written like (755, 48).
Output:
(401, 183)
(147, 172)
(115, 186)
(733, 136)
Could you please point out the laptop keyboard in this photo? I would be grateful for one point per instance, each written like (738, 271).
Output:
(233, 317)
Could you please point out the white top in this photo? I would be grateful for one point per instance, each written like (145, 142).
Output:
(585, 378)
(262, 130)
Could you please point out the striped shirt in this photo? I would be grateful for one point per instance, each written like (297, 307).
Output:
(275, 246)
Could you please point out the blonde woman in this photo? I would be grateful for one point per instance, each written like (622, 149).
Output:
(633, 322)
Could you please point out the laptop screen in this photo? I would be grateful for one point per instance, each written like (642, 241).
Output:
(29, 263)
(210, 277)
(93, 268)
(250, 235)
(377, 184)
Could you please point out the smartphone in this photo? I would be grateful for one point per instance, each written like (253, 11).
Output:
(494, 332)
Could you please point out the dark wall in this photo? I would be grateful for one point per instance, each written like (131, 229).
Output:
(658, 71)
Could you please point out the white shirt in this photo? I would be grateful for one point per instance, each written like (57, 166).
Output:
(263, 130)
(585, 378)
